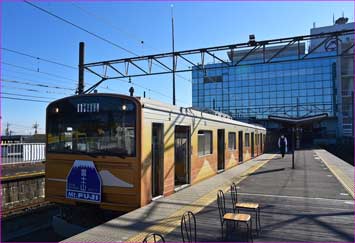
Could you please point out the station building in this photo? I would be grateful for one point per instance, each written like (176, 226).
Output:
(287, 87)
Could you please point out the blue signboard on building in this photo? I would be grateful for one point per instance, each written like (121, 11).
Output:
(83, 182)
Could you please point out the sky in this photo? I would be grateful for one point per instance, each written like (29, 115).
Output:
(30, 31)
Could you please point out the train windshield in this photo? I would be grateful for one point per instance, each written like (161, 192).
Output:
(97, 125)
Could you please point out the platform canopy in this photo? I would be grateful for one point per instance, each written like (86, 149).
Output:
(295, 122)
(299, 120)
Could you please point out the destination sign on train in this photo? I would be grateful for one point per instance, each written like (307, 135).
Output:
(88, 107)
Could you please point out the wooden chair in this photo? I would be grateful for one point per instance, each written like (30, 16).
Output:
(153, 237)
(188, 227)
(232, 217)
(245, 205)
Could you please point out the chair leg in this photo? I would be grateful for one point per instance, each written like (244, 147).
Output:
(222, 231)
(251, 230)
(259, 218)
(256, 222)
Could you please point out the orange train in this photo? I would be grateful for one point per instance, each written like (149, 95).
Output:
(120, 152)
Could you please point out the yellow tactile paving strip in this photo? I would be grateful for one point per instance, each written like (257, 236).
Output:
(22, 176)
(342, 178)
(168, 224)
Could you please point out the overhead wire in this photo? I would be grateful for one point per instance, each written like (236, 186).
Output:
(11, 98)
(38, 58)
(54, 80)
(103, 87)
(33, 90)
(149, 90)
(25, 129)
(36, 71)
(36, 84)
(6, 71)
(42, 59)
(19, 125)
(79, 27)
(113, 26)
(31, 96)
(106, 21)
(91, 33)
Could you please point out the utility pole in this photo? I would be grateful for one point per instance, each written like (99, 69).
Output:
(35, 126)
(173, 45)
(7, 131)
(81, 68)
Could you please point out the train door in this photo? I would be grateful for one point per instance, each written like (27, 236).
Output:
(261, 143)
(157, 159)
(220, 149)
(240, 148)
(252, 144)
(182, 155)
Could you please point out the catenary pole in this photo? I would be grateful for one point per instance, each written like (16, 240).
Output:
(81, 68)
(173, 47)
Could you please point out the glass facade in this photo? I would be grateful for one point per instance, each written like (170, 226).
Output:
(290, 88)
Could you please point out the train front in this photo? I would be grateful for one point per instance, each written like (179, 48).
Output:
(92, 151)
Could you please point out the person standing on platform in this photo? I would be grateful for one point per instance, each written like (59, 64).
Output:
(282, 145)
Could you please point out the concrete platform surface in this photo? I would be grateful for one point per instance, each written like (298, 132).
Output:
(343, 171)
(304, 204)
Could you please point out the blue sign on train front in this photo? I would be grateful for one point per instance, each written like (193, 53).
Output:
(83, 182)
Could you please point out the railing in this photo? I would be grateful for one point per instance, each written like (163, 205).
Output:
(14, 153)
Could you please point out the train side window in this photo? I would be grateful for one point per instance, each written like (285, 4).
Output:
(232, 141)
(204, 142)
(247, 140)
(256, 139)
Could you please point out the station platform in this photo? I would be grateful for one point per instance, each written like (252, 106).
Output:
(13, 172)
(309, 203)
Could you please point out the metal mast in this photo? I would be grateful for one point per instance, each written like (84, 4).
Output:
(173, 47)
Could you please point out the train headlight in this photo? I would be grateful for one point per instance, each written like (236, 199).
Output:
(124, 107)
(56, 110)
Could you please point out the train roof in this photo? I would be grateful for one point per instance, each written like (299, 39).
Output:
(187, 111)
(195, 112)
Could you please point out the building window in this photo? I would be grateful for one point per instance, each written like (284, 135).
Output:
(247, 140)
(231, 141)
(213, 79)
(204, 142)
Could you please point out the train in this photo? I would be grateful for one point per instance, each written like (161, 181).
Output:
(121, 152)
